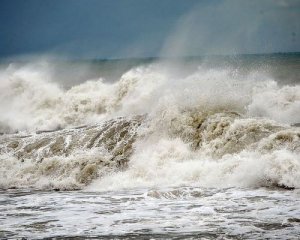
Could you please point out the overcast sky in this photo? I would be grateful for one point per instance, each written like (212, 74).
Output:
(143, 28)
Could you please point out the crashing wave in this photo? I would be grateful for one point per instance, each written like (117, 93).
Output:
(212, 128)
(222, 149)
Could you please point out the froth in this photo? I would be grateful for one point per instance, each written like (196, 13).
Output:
(279, 103)
(213, 127)
(226, 152)
(66, 159)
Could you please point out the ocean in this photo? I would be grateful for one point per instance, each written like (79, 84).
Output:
(189, 148)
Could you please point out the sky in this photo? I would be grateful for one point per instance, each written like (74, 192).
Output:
(147, 28)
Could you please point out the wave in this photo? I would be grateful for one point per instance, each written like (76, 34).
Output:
(66, 159)
(211, 128)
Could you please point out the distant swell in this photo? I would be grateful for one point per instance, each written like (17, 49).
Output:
(211, 128)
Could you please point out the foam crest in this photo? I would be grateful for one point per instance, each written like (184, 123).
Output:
(33, 100)
(28, 99)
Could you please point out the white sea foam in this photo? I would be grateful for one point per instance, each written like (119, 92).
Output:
(170, 162)
(213, 127)
(279, 103)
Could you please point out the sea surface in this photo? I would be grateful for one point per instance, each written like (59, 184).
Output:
(190, 148)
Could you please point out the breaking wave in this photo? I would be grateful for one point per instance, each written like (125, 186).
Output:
(213, 128)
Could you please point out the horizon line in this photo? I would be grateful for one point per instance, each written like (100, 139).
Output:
(21, 58)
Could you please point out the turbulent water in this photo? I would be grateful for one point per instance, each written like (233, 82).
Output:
(154, 148)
